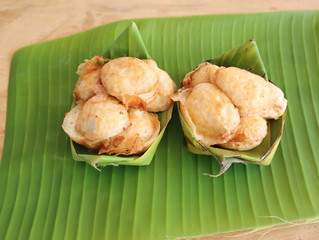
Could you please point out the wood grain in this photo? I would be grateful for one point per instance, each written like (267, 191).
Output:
(25, 22)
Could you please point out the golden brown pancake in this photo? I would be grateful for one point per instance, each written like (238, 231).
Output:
(252, 130)
(250, 93)
(137, 138)
(89, 79)
(162, 97)
(203, 73)
(128, 77)
(101, 118)
(209, 113)
(69, 128)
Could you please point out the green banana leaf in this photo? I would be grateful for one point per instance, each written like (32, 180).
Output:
(129, 43)
(45, 194)
(245, 56)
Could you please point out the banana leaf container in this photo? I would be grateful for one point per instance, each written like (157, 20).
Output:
(128, 43)
(245, 56)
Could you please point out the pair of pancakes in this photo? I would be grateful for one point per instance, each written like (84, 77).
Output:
(116, 101)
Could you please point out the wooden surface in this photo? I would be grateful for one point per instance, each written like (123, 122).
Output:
(24, 22)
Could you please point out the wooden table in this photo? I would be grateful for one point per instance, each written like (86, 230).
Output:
(25, 22)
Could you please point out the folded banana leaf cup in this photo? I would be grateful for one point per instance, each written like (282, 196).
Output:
(245, 56)
(129, 43)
